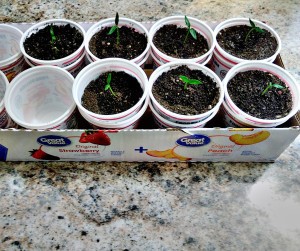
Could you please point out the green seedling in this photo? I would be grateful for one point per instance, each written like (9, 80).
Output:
(53, 40)
(254, 28)
(115, 28)
(190, 30)
(271, 85)
(187, 81)
(107, 86)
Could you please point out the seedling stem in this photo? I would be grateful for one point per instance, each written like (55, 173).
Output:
(107, 86)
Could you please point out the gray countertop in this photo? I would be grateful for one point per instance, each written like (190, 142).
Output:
(155, 206)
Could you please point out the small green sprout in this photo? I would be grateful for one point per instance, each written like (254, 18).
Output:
(107, 86)
(187, 81)
(53, 40)
(115, 28)
(270, 85)
(190, 30)
(254, 28)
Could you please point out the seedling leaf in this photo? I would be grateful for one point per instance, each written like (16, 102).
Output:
(252, 23)
(187, 22)
(117, 19)
(112, 30)
(184, 78)
(53, 37)
(187, 81)
(193, 33)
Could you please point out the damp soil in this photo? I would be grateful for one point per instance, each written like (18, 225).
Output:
(256, 47)
(126, 88)
(40, 45)
(169, 39)
(246, 88)
(132, 43)
(169, 91)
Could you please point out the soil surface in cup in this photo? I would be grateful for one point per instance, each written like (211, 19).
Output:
(125, 92)
(169, 90)
(132, 43)
(246, 89)
(255, 46)
(64, 41)
(170, 39)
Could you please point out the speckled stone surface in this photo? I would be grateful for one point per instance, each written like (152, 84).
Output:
(155, 206)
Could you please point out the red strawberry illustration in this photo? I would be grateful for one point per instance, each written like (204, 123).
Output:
(40, 154)
(98, 138)
(83, 138)
(95, 137)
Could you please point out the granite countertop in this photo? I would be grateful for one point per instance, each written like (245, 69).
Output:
(155, 206)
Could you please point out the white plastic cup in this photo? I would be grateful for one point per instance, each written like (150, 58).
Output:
(179, 118)
(11, 58)
(127, 124)
(94, 70)
(74, 68)
(199, 26)
(164, 123)
(109, 22)
(62, 62)
(266, 67)
(223, 61)
(41, 98)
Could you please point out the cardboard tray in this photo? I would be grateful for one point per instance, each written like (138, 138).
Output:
(213, 143)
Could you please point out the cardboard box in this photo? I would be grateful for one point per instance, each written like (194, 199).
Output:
(147, 143)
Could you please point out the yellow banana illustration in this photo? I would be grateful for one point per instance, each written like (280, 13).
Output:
(168, 154)
(249, 139)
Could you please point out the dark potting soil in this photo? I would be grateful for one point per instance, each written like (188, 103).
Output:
(257, 46)
(132, 43)
(127, 89)
(169, 91)
(41, 46)
(246, 88)
(169, 39)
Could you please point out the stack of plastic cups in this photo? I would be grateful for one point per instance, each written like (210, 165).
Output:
(223, 61)
(235, 117)
(160, 58)
(169, 118)
(11, 59)
(41, 98)
(73, 63)
(125, 120)
(109, 22)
